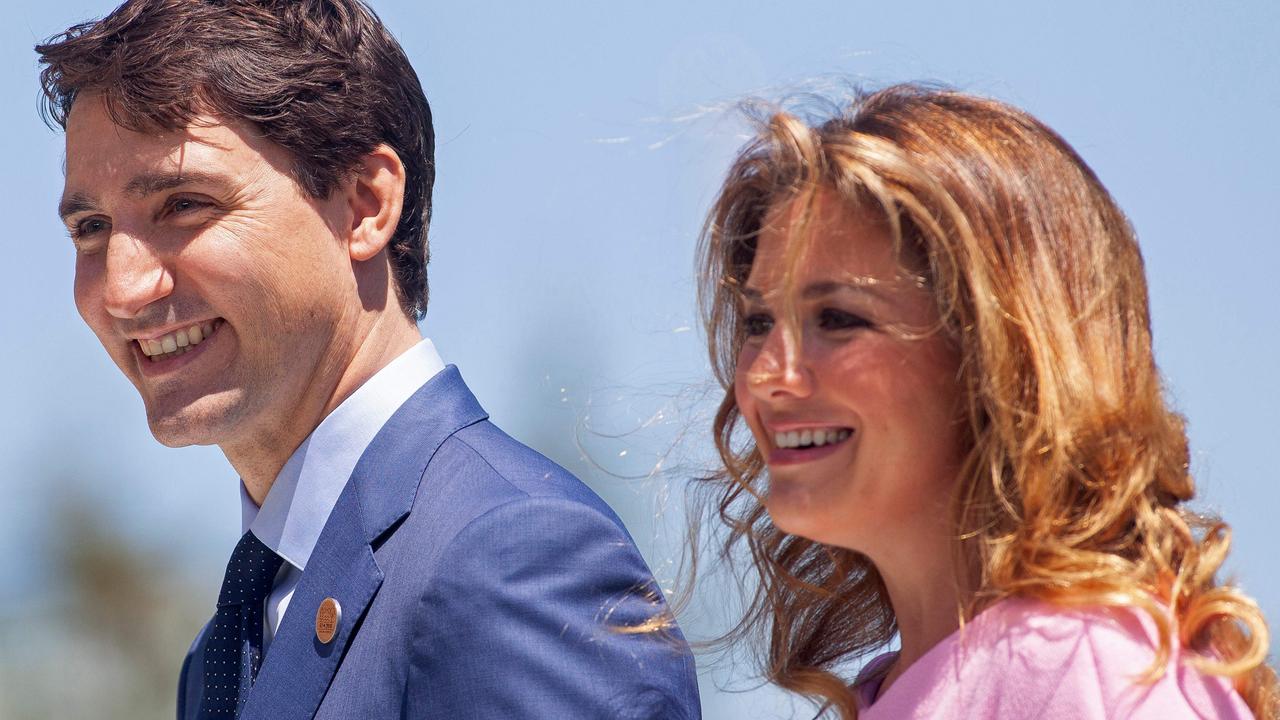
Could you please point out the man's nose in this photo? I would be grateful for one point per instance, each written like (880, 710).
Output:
(136, 276)
(780, 368)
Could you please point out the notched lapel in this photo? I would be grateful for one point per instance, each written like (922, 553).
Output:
(389, 472)
(298, 668)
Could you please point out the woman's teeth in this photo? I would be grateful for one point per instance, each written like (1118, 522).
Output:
(811, 438)
(180, 342)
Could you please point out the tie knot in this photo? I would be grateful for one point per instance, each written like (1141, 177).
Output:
(250, 573)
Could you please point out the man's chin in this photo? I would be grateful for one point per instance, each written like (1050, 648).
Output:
(198, 423)
(174, 434)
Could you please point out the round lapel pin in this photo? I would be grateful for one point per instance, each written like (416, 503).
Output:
(327, 619)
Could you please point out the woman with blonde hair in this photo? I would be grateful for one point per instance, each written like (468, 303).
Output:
(932, 318)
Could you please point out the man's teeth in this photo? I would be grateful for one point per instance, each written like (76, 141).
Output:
(178, 343)
(811, 438)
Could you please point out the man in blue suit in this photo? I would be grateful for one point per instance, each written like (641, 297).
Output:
(248, 188)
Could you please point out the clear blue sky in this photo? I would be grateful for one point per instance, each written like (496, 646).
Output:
(579, 145)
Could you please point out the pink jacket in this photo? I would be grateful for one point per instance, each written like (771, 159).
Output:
(1027, 659)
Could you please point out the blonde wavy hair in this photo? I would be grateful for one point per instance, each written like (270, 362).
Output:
(1075, 487)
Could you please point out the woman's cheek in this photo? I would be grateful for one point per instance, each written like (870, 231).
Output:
(742, 392)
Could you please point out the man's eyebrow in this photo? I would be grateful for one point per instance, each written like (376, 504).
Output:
(152, 183)
(74, 203)
(143, 185)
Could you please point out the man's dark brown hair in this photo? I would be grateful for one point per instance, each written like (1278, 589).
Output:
(323, 79)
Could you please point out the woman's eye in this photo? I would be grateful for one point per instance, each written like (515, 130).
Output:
(757, 324)
(833, 319)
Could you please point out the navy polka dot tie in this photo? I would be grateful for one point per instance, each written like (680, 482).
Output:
(233, 652)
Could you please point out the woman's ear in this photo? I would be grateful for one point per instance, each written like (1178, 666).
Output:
(375, 195)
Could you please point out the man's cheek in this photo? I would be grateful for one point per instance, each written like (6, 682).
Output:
(87, 292)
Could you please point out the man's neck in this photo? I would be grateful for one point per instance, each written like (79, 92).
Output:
(260, 458)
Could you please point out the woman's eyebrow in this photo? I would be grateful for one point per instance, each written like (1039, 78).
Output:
(864, 285)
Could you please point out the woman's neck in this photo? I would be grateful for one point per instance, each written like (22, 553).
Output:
(926, 594)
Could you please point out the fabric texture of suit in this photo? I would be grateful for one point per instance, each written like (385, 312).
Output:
(477, 579)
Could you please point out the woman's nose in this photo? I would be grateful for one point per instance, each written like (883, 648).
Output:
(780, 368)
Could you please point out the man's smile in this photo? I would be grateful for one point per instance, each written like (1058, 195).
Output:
(176, 348)
(178, 342)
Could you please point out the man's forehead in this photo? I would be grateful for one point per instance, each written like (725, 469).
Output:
(105, 140)
(103, 156)
(92, 130)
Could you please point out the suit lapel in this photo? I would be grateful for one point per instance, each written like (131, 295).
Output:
(298, 668)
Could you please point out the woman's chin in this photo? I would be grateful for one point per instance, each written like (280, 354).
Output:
(796, 510)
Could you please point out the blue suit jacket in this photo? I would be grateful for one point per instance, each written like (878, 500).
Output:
(477, 579)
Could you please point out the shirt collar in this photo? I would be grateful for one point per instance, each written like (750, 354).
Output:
(307, 487)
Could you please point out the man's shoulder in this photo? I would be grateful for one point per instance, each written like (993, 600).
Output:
(497, 469)
(479, 471)
(509, 586)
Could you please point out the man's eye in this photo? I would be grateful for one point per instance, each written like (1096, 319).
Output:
(833, 319)
(89, 227)
(181, 205)
(184, 205)
(757, 324)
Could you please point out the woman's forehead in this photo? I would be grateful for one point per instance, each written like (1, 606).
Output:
(824, 238)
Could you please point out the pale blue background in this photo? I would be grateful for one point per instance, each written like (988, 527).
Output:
(579, 146)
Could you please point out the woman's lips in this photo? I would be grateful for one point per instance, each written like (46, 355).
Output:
(801, 445)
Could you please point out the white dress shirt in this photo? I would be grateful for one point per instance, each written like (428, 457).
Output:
(304, 493)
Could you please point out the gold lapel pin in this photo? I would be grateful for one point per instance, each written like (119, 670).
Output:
(327, 619)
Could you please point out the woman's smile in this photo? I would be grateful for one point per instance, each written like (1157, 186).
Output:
(798, 443)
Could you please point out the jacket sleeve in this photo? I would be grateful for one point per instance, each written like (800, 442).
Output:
(524, 617)
(190, 681)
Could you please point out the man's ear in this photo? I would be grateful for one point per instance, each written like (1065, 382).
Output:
(375, 194)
